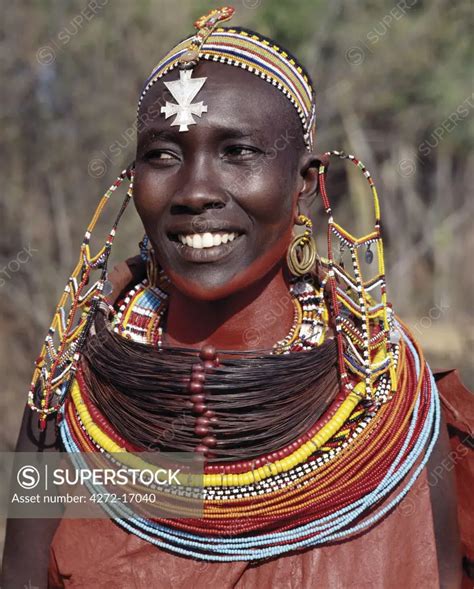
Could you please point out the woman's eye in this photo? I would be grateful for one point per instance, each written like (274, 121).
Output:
(158, 155)
(241, 151)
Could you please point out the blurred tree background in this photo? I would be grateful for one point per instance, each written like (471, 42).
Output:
(394, 85)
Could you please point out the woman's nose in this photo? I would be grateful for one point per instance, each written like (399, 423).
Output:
(196, 200)
(200, 189)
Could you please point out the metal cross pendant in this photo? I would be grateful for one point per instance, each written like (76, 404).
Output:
(184, 90)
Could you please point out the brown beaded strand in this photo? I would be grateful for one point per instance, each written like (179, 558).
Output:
(206, 417)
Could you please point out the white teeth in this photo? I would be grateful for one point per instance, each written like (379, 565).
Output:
(203, 240)
(197, 241)
(207, 240)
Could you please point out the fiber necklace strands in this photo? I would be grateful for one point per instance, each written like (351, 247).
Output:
(253, 403)
(313, 495)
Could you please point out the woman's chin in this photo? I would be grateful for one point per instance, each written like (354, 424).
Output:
(214, 283)
(207, 287)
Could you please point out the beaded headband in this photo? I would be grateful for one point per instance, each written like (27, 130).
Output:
(241, 48)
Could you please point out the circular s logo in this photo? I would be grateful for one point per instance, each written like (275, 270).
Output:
(28, 477)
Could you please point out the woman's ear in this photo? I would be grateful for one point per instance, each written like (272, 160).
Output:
(309, 173)
(130, 169)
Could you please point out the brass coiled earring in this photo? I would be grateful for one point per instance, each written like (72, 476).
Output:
(302, 251)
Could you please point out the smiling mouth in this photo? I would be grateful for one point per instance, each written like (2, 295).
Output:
(205, 240)
(205, 247)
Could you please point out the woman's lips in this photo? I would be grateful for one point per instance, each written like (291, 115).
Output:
(200, 248)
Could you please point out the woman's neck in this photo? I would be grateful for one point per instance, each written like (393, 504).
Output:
(252, 319)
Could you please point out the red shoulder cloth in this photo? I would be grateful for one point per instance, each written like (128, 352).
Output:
(458, 409)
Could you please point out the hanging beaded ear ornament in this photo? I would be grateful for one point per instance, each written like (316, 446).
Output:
(57, 363)
(370, 338)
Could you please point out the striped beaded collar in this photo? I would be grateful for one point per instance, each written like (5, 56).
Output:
(140, 315)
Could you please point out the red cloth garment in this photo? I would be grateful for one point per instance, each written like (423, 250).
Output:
(98, 553)
(458, 409)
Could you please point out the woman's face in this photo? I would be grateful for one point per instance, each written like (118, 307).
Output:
(218, 201)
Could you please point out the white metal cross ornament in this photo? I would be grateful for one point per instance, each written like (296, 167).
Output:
(184, 90)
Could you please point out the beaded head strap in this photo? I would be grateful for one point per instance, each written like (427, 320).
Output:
(242, 48)
(185, 89)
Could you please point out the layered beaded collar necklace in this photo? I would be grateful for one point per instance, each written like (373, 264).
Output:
(141, 314)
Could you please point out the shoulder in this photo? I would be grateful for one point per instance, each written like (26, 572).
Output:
(124, 276)
(457, 458)
(457, 401)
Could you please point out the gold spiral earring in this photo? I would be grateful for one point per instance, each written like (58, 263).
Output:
(302, 251)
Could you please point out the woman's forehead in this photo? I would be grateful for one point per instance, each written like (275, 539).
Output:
(229, 97)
